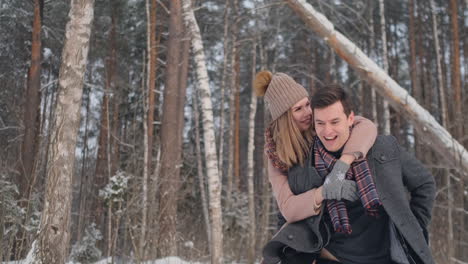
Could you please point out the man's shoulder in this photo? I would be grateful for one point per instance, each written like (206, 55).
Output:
(385, 140)
(385, 146)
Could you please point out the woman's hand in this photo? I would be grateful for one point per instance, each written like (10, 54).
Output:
(336, 187)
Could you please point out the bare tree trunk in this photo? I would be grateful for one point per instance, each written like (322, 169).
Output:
(222, 92)
(454, 153)
(200, 173)
(414, 69)
(450, 235)
(148, 117)
(112, 66)
(383, 31)
(459, 188)
(54, 237)
(144, 182)
(250, 162)
(101, 172)
(372, 51)
(171, 139)
(232, 108)
(31, 106)
(265, 195)
(152, 51)
(153, 142)
(84, 182)
(440, 79)
(455, 71)
(214, 184)
(236, 146)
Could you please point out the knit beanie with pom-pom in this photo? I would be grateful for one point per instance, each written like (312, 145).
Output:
(281, 91)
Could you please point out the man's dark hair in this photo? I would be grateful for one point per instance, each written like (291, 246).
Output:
(330, 94)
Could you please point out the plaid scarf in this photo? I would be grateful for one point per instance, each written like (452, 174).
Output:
(270, 147)
(360, 173)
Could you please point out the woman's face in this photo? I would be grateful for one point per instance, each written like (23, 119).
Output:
(302, 114)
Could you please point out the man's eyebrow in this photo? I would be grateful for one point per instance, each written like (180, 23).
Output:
(333, 120)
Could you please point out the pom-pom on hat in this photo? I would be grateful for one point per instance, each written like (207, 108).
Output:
(281, 91)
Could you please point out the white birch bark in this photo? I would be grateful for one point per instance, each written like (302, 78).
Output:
(372, 52)
(440, 80)
(231, 148)
(54, 235)
(266, 197)
(440, 139)
(223, 85)
(201, 176)
(214, 184)
(144, 184)
(383, 32)
(250, 162)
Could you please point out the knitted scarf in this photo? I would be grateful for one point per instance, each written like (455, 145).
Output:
(358, 172)
(270, 147)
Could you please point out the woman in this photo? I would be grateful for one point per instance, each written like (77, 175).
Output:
(288, 142)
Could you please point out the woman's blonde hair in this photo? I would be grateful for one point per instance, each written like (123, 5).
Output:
(292, 145)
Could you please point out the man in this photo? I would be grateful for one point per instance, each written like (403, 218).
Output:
(383, 226)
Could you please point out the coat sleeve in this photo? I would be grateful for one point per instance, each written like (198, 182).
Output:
(292, 207)
(421, 186)
(362, 137)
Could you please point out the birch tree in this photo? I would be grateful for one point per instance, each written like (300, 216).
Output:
(383, 32)
(373, 96)
(223, 85)
(214, 184)
(250, 161)
(149, 115)
(440, 79)
(201, 176)
(452, 151)
(54, 235)
(449, 241)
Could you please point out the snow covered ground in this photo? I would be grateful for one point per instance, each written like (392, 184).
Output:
(168, 260)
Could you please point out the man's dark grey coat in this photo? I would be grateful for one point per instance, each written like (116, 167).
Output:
(404, 185)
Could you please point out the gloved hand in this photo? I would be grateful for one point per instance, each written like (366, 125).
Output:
(336, 187)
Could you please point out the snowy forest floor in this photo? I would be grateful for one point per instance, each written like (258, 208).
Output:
(168, 260)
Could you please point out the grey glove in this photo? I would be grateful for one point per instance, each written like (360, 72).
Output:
(336, 187)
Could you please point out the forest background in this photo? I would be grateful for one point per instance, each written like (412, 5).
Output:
(157, 159)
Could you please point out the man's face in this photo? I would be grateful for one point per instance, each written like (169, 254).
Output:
(332, 126)
(302, 114)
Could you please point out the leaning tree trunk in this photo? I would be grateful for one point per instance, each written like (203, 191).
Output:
(214, 184)
(54, 236)
(454, 153)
